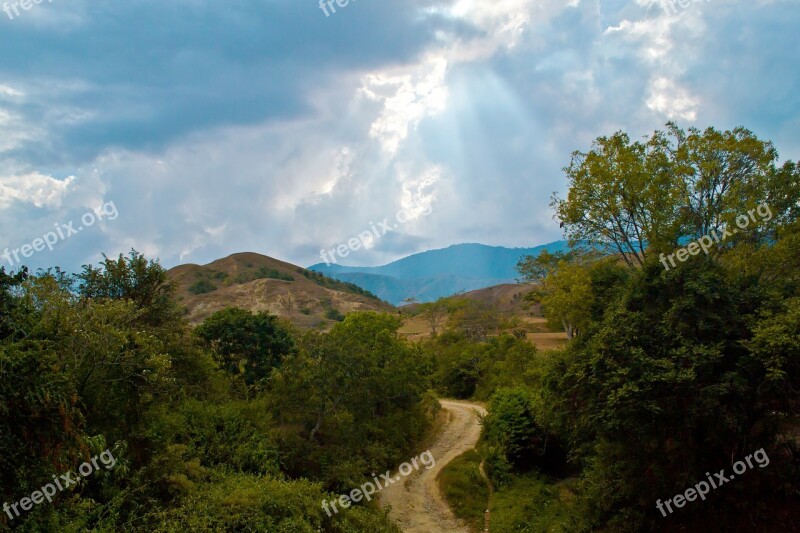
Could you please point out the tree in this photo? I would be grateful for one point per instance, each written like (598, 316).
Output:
(360, 383)
(247, 344)
(435, 313)
(622, 196)
(667, 387)
(116, 364)
(776, 345)
(566, 297)
(9, 303)
(640, 197)
(133, 278)
(511, 427)
(721, 175)
(41, 425)
(534, 269)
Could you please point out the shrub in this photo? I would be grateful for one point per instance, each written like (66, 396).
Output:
(511, 426)
(202, 287)
(333, 314)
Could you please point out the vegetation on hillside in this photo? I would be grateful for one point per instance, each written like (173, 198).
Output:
(324, 281)
(208, 280)
(242, 425)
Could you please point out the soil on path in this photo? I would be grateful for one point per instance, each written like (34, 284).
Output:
(416, 503)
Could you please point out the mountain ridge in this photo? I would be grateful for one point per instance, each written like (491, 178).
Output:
(432, 274)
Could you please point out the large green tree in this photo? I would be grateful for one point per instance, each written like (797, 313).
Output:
(676, 380)
(360, 383)
(636, 197)
(247, 344)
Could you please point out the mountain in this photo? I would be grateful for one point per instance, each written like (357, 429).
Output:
(427, 276)
(260, 283)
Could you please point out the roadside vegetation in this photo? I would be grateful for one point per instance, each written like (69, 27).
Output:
(670, 372)
(465, 489)
(243, 424)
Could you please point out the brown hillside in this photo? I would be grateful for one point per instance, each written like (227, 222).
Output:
(260, 283)
(507, 300)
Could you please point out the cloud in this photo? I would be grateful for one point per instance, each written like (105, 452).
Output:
(224, 127)
(671, 100)
(35, 189)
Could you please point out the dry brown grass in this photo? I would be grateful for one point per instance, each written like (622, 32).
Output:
(548, 341)
(538, 333)
(302, 301)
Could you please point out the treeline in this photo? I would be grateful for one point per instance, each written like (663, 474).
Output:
(324, 281)
(244, 424)
(206, 283)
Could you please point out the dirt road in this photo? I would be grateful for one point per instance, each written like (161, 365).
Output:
(417, 504)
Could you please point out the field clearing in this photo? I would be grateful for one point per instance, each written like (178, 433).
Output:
(417, 328)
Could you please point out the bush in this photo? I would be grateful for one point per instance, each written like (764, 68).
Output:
(511, 426)
(333, 314)
(271, 273)
(202, 287)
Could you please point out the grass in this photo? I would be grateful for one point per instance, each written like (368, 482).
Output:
(534, 503)
(415, 328)
(465, 490)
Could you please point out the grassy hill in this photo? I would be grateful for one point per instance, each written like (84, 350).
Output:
(507, 300)
(260, 283)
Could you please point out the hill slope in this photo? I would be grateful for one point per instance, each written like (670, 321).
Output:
(260, 283)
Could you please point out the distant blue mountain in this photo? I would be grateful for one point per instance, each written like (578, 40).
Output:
(430, 275)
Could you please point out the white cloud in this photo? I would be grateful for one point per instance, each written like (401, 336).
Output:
(33, 188)
(408, 94)
(9, 92)
(670, 99)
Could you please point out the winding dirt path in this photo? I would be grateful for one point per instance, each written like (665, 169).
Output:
(416, 504)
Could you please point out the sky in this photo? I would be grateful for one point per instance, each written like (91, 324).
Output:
(190, 130)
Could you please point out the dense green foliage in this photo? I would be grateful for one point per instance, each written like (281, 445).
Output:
(688, 371)
(465, 368)
(360, 387)
(672, 372)
(246, 344)
(516, 440)
(240, 426)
